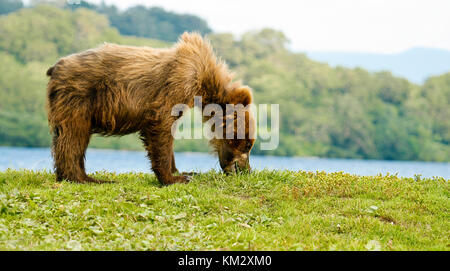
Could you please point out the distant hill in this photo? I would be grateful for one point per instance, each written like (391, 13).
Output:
(153, 22)
(416, 64)
(7, 6)
(139, 21)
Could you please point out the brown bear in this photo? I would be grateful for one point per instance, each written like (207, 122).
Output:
(118, 90)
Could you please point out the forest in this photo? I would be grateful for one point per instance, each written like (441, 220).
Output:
(324, 111)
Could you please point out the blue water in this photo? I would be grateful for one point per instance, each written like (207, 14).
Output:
(136, 161)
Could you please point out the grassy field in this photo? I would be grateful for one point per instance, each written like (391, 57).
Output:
(266, 210)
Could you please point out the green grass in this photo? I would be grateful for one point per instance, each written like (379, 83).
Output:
(266, 210)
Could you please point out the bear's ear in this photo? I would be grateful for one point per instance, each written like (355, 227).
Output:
(240, 95)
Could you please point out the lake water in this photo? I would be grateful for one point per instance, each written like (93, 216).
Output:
(136, 161)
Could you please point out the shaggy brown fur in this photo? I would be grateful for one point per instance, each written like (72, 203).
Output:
(118, 90)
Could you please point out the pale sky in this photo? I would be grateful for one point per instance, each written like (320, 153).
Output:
(378, 26)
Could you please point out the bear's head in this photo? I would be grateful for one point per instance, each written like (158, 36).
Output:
(233, 149)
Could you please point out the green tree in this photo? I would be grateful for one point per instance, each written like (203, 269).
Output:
(154, 22)
(436, 92)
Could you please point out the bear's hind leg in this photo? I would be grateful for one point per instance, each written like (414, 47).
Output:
(70, 142)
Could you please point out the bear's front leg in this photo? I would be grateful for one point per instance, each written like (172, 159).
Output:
(173, 168)
(160, 151)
